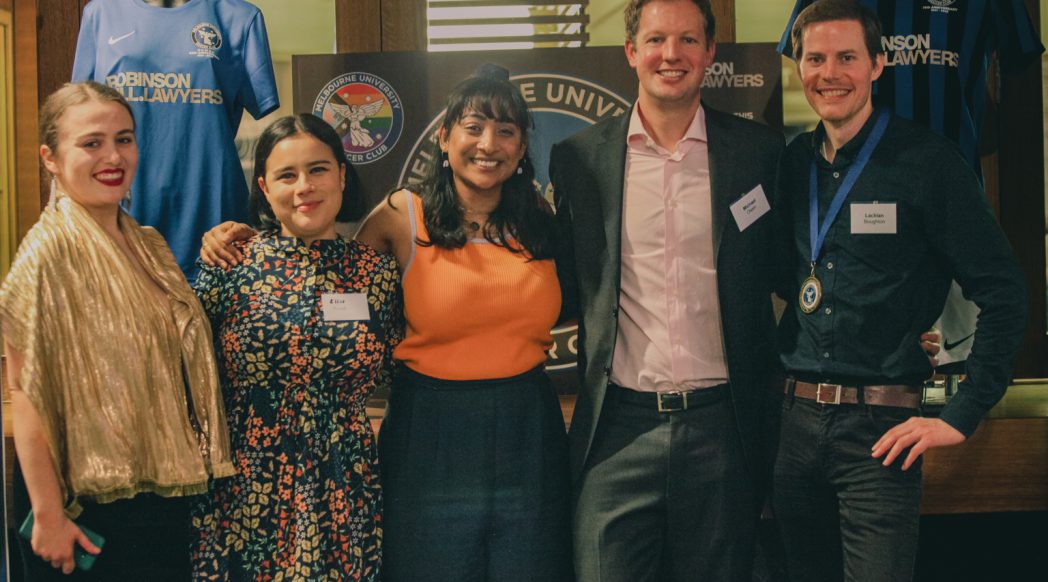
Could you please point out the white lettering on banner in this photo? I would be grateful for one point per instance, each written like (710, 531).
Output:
(578, 97)
(722, 75)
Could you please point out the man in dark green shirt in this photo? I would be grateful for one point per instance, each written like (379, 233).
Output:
(883, 214)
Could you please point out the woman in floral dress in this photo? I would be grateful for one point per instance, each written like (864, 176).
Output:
(304, 326)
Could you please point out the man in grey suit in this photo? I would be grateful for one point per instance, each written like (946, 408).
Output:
(668, 237)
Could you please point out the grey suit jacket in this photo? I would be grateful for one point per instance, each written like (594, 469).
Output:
(588, 173)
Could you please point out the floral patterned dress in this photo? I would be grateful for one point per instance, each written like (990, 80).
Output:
(303, 333)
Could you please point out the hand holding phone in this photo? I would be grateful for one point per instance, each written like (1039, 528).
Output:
(84, 560)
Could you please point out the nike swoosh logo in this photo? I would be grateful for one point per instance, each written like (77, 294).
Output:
(116, 39)
(949, 346)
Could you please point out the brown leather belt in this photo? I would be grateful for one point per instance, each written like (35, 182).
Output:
(898, 395)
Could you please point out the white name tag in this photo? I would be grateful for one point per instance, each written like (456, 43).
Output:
(750, 207)
(344, 306)
(873, 218)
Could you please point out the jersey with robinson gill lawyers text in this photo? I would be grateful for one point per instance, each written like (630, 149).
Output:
(938, 52)
(189, 72)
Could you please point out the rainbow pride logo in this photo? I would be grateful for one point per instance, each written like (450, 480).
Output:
(365, 111)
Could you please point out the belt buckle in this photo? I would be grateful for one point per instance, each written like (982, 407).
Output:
(834, 396)
(668, 408)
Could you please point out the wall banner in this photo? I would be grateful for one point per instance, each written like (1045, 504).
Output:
(387, 107)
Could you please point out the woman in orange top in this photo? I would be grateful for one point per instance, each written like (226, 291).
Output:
(473, 449)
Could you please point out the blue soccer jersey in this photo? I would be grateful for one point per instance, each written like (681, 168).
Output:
(938, 52)
(189, 72)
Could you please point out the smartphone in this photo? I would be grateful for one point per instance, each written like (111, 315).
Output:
(83, 560)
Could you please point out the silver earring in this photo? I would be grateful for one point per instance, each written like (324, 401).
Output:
(520, 170)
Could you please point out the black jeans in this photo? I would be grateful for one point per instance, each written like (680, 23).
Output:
(843, 515)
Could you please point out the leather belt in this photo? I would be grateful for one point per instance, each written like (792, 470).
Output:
(670, 401)
(897, 395)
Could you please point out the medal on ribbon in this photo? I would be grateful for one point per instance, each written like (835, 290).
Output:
(811, 288)
(811, 293)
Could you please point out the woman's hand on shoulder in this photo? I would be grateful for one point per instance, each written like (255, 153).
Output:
(54, 538)
(217, 248)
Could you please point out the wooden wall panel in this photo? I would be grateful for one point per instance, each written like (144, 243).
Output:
(1022, 198)
(1003, 466)
(724, 12)
(380, 25)
(58, 27)
(358, 26)
(57, 30)
(404, 25)
(27, 164)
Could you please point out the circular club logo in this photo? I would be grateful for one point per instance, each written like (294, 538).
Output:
(207, 39)
(560, 106)
(365, 111)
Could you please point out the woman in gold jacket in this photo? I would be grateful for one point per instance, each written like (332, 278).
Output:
(117, 415)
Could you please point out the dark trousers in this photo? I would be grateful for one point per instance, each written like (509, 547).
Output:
(843, 515)
(475, 480)
(147, 538)
(665, 496)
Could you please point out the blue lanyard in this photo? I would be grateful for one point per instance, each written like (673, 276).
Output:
(817, 233)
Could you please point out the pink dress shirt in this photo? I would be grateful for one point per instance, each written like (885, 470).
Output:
(669, 335)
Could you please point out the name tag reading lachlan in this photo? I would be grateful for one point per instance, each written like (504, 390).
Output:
(873, 218)
(345, 306)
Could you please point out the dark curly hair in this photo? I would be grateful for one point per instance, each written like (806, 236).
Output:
(522, 221)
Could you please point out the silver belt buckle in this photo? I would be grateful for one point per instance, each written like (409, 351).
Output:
(665, 408)
(833, 393)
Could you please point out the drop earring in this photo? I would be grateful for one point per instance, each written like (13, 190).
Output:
(53, 198)
(444, 157)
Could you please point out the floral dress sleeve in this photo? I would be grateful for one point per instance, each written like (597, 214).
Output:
(212, 289)
(389, 306)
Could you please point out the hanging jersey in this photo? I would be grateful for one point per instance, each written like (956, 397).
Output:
(938, 53)
(189, 72)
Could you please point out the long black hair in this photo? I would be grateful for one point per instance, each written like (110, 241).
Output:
(522, 221)
(260, 213)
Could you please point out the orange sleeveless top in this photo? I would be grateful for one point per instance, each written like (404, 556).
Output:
(475, 313)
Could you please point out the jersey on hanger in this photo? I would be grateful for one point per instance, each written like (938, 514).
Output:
(189, 72)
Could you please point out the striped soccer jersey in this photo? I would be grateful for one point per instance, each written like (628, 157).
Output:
(938, 53)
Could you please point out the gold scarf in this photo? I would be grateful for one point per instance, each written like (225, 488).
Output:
(126, 387)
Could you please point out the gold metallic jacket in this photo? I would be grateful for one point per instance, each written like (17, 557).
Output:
(125, 385)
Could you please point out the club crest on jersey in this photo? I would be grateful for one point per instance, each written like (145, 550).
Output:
(943, 6)
(560, 105)
(208, 39)
(366, 112)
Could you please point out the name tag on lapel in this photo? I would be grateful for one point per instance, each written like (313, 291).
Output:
(873, 218)
(750, 207)
(344, 306)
